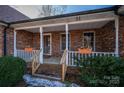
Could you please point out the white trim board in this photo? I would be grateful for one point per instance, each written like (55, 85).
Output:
(69, 23)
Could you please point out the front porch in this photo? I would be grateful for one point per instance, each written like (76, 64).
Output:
(59, 43)
(101, 37)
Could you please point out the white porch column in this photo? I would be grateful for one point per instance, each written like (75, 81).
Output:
(41, 45)
(116, 36)
(66, 29)
(15, 51)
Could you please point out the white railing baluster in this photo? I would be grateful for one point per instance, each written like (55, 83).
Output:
(69, 57)
(27, 56)
(72, 58)
(92, 55)
(73, 54)
(75, 57)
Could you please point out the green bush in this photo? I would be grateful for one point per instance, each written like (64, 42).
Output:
(102, 71)
(11, 70)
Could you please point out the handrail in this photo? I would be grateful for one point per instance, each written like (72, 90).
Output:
(64, 66)
(63, 57)
(36, 61)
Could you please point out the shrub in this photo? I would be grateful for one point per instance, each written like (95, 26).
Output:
(11, 70)
(102, 71)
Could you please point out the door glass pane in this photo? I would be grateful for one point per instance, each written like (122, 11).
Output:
(63, 41)
(47, 44)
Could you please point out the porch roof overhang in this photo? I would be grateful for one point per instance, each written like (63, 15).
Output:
(75, 19)
(3, 23)
(79, 26)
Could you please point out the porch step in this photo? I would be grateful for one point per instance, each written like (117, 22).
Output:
(50, 71)
(47, 77)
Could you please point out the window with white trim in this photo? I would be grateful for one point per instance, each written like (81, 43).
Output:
(88, 40)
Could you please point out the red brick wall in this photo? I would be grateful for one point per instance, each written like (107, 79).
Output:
(121, 36)
(76, 40)
(24, 39)
(36, 41)
(107, 36)
(56, 51)
(1, 39)
(10, 41)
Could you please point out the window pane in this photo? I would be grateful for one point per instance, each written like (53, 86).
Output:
(89, 40)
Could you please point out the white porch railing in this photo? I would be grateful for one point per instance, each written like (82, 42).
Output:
(73, 54)
(27, 56)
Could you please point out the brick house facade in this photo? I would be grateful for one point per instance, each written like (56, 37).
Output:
(106, 26)
(104, 39)
(25, 39)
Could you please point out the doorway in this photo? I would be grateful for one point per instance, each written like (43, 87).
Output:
(47, 46)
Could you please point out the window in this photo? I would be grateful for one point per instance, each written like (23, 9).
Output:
(88, 40)
(63, 42)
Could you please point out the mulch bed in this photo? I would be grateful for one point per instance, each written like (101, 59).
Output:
(21, 84)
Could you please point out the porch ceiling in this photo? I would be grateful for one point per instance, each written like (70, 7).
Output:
(84, 18)
(91, 25)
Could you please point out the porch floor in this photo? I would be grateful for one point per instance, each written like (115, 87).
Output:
(52, 60)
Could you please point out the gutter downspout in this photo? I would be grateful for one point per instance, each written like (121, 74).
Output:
(4, 43)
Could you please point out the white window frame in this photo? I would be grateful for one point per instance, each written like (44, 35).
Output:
(94, 43)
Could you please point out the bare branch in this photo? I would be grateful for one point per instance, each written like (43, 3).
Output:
(51, 10)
